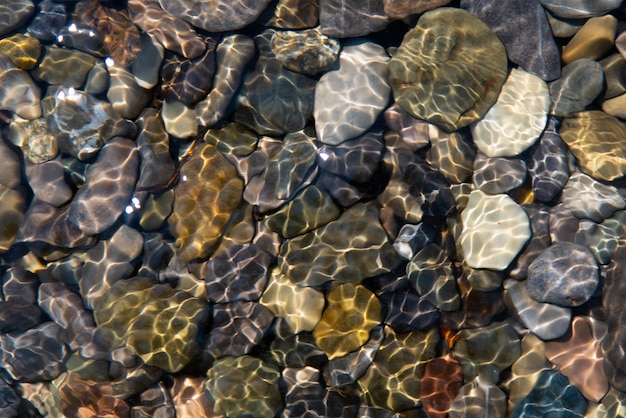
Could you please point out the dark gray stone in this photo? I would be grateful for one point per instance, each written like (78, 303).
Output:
(580, 83)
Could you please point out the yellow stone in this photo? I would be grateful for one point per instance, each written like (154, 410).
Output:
(346, 323)
(593, 40)
(22, 50)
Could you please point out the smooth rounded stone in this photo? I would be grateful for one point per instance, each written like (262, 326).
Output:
(83, 38)
(308, 210)
(296, 350)
(564, 274)
(486, 351)
(48, 21)
(22, 50)
(189, 81)
(524, 102)
(66, 310)
(179, 120)
(346, 370)
(415, 133)
(349, 99)
(108, 188)
(190, 398)
(216, 15)
(523, 28)
(595, 139)
(552, 395)
(11, 216)
(576, 9)
(17, 317)
(479, 398)
(157, 322)
(121, 36)
(204, 202)
(97, 81)
(10, 401)
(10, 175)
(232, 139)
(19, 285)
(156, 209)
(594, 40)
(243, 386)
(399, 9)
(356, 159)
(351, 313)
(412, 238)
(156, 163)
(613, 304)
(35, 355)
(431, 274)
(440, 385)
(233, 53)
(342, 191)
(407, 311)
(545, 320)
(237, 327)
(498, 174)
(615, 106)
(155, 401)
(525, 371)
(539, 216)
(579, 85)
(449, 69)
(307, 52)
(480, 308)
(125, 94)
(341, 251)
(18, 91)
(170, 31)
(590, 199)
(108, 262)
(341, 19)
(563, 27)
(483, 280)
(81, 123)
(293, 14)
(612, 405)
(34, 139)
(301, 307)
(565, 226)
(14, 13)
(606, 237)
(495, 229)
(290, 166)
(274, 100)
(393, 380)
(548, 165)
(146, 67)
(451, 154)
(579, 357)
(239, 273)
(47, 180)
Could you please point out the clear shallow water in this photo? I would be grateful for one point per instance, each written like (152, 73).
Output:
(222, 221)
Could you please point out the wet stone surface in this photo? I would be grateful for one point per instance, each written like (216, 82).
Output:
(312, 208)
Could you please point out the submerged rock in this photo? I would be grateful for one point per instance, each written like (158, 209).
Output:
(308, 52)
(449, 54)
(18, 92)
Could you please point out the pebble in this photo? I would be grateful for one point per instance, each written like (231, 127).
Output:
(606, 237)
(126, 96)
(12, 166)
(588, 198)
(564, 27)
(327, 253)
(293, 14)
(440, 385)
(539, 216)
(408, 311)
(479, 397)
(552, 394)
(524, 102)
(575, 9)
(146, 67)
(594, 40)
(579, 85)
(448, 53)
(49, 19)
(548, 166)
(278, 104)
(615, 106)
(545, 320)
(594, 139)
(47, 180)
(498, 174)
(614, 67)
(14, 13)
(63, 66)
(233, 53)
(156, 166)
(307, 52)
(523, 28)
(34, 138)
(452, 154)
(201, 213)
(244, 385)
(11, 216)
(301, 307)
(83, 38)
(345, 19)
(399, 9)
(564, 274)
(527, 369)
(340, 96)
(18, 91)
(22, 50)
(107, 189)
(576, 349)
(490, 222)
(179, 120)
